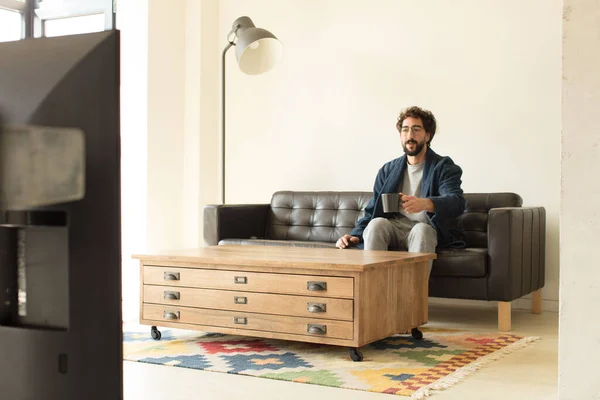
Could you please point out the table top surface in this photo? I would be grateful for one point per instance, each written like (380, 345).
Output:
(289, 257)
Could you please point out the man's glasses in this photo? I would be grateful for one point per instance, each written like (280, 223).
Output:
(415, 129)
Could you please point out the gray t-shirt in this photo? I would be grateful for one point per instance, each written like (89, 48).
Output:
(411, 186)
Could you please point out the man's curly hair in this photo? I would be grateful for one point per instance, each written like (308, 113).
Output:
(429, 123)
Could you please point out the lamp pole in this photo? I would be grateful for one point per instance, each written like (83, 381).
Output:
(229, 45)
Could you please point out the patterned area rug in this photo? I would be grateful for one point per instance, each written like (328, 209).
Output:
(397, 365)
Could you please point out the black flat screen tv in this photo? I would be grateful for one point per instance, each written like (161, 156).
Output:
(60, 261)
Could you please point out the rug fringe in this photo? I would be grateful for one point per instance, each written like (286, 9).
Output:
(467, 370)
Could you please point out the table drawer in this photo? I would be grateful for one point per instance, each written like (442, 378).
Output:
(308, 285)
(253, 321)
(266, 303)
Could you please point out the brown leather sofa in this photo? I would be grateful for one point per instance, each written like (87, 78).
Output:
(504, 258)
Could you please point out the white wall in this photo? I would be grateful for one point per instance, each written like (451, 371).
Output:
(132, 21)
(324, 119)
(166, 124)
(155, 162)
(579, 334)
(191, 131)
(182, 120)
(210, 83)
(169, 95)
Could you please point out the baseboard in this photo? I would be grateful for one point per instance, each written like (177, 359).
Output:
(519, 304)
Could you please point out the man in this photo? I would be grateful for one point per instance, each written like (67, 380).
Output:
(430, 195)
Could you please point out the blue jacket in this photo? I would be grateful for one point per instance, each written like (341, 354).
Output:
(441, 184)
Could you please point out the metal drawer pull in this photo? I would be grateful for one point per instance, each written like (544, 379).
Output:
(240, 320)
(316, 286)
(171, 276)
(240, 300)
(240, 279)
(171, 315)
(171, 296)
(317, 329)
(316, 307)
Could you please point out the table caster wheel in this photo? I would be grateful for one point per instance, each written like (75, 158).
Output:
(355, 355)
(156, 335)
(416, 333)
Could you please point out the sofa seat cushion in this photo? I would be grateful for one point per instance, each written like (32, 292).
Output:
(469, 262)
(286, 243)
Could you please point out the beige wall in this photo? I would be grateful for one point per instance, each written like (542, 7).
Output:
(209, 183)
(324, 119)
(182, 119)
(579, 333)
(191, 128)
(166, 125)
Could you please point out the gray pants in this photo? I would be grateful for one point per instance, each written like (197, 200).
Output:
(400, 234)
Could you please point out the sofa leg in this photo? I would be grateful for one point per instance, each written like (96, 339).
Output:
(504, 324)
(536, 302)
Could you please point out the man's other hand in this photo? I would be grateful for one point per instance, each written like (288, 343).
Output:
(412, 204)
(347, 241)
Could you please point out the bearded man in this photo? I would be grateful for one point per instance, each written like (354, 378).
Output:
(430, 195)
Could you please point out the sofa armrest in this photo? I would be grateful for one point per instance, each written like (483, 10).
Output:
(224, 221)
(517, 249)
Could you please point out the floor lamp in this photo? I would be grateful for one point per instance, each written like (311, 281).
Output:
(257, 50)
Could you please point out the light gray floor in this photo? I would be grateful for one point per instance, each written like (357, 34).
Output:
(530, 373)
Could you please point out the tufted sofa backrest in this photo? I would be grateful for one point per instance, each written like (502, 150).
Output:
(326, 216)
(314, 216)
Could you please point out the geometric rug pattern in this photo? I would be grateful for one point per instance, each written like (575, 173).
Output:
(397, 365)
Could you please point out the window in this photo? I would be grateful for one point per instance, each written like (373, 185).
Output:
(26, 19)
(11, 25)
(74, 25)
(70, 17)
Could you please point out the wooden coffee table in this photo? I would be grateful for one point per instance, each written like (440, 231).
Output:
(330, 296)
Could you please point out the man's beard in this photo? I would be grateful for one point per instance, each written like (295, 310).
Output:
(417, 150)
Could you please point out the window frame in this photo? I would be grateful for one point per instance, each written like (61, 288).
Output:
(76, 8)
(35, 14)
(18, 12)
(14, 5)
